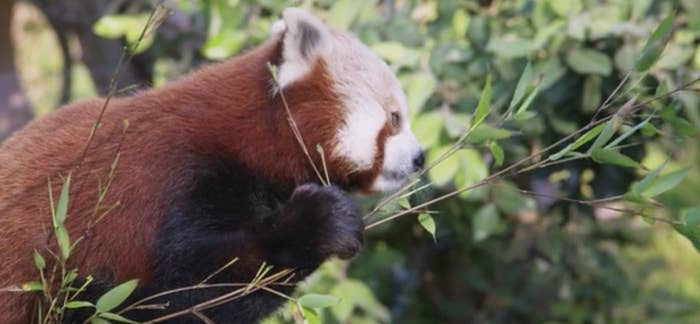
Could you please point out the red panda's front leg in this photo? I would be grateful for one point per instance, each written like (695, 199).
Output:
(248, 222)
(317, 223)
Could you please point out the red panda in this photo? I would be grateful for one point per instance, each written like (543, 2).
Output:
(209, 170)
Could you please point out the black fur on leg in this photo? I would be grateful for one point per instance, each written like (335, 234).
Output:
(229, 213)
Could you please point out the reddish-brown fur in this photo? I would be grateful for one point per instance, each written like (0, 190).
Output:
(227, 108)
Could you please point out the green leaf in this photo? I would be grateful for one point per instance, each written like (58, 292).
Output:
(690, 228)
(419, 87)
(356, 294)
(318, 301)
(664, 183)
(528, 101)
(115, 296)
(460, 22)
(605, 135)
(585, 138)
(486, 222)
(310, 316)
(485, 132)
(473, 169)
(443, 172)
(62, 207)
(78, 304)
(223, 45)
(428, 223)
(610, 156)
(98, 320)
(497, 152)
(111, 26)
(63, 241)
(32, 286)
(646, 182)
(589, 61)
(509, 47)
(482, 109)
(344, 12)
(38, 260)
(523, 83)
(427, 127)
(691, 216)
(117, 318)
(629, 132)
(655, 44)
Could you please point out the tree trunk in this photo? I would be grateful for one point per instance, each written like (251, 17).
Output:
(15, 109)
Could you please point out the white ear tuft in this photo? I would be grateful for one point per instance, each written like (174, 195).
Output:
(305, 39)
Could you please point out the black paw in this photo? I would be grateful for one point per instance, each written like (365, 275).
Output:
(339, 226)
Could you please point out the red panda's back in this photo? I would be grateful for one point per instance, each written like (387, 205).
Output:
(50, 147)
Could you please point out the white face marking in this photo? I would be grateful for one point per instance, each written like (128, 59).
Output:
(369, 91)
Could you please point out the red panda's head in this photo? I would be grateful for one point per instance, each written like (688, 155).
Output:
(372, 139)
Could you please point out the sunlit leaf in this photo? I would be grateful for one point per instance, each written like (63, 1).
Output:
(38, 260)
(78, 304)
(445, 170)
(62, 207)
(115, 296)
(32, 286)
(310, 316)
(485, 132)
(116, 318)
(63, 241)
(655, 44)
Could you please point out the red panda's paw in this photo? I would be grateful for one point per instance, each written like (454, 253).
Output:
(339, 226)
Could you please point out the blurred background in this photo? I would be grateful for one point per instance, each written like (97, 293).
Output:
(519, 250)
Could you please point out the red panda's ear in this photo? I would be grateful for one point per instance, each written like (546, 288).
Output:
(305, 39)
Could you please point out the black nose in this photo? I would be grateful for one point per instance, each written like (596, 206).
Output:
(419, 161)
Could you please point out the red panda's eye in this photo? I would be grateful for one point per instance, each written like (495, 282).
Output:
(395, 120)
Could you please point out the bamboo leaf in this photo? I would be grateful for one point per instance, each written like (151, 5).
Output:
(62, 207)
(605, 135)
(610, 156)
(646, 182)
(115, 296)
(318, 301)
(628, 133)
(482, 109)
(428, 223)
(497, 152)
(655, 44)
(116, 318)
(32, 286)
(63, 241)
(665, 183)
(78, 304)
(521, 89)
(38, 260)
(585, 138)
